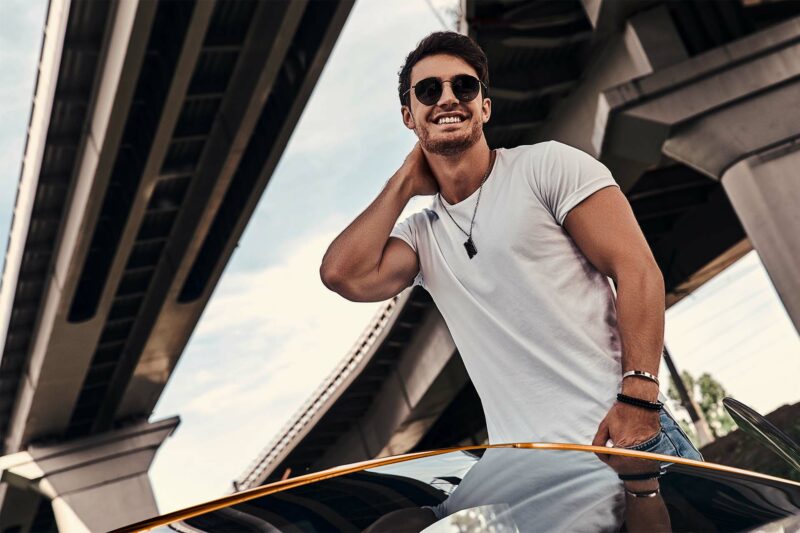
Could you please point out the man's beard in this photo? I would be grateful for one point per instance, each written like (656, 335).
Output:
(452, 145)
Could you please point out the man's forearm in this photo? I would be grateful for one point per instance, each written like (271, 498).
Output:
(640, 319)
(359, 248)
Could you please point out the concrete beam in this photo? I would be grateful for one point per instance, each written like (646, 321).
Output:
(175, 320)
(592, 9)
(768, 118)
(653, 41)
(637, 118)
(161, 337)
(53, 379)
(44, 97)
(624, 56)
(168, 118)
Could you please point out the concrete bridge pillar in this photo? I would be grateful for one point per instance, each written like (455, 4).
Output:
(96, 483)
(764, 189)
(732, 114)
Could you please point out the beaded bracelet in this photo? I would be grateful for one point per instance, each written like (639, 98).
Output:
(638, 402)
(641, 477)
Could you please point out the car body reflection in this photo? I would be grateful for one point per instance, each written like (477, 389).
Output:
(537, 487)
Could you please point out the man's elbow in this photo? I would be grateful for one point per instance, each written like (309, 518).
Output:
(329, 278)
(338, 284)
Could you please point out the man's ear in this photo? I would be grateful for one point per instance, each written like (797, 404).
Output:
(486, 109)
(408, 118)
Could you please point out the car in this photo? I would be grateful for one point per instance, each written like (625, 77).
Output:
(516, 487)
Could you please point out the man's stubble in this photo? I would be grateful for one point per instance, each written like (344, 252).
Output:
(450, 146)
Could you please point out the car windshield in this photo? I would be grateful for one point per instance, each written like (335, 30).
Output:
(518, 489)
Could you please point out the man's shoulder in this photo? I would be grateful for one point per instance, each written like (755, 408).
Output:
(534, 146)
(544, 157)
(544, 148)
(528, 148)
(529, 152)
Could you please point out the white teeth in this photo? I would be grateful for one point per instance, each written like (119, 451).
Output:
(449, 120)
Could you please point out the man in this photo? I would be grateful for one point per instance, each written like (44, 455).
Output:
(516, 251)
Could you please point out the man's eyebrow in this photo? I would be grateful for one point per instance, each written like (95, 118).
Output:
(442, 78)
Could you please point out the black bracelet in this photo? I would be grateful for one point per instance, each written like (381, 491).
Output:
(640, 477)
(638, 402)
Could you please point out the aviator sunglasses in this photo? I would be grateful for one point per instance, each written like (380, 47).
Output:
(464, 86)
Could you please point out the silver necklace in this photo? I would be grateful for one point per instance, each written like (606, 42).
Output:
(469, 244)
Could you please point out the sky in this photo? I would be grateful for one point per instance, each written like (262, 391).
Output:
(272, 331)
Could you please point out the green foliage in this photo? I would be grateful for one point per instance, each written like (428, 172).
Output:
(688, 382)
(708, 393)
(710, 400)
(688, 428)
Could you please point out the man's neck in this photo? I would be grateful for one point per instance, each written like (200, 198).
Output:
(459, 176)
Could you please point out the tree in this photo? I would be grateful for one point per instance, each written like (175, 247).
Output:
(708, 394)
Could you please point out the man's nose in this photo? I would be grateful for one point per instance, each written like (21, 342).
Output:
(447, 97)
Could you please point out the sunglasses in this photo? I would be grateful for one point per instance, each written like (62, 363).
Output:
(464, 87)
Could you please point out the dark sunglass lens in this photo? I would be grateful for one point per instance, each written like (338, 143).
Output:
(465, 87)
(428, 91)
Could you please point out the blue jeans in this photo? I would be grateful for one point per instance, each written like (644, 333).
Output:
(670, 440)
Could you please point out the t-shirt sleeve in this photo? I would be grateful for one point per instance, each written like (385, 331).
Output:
(564, 176)
(406, 230)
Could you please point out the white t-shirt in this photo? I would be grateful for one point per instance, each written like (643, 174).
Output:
(533, 320)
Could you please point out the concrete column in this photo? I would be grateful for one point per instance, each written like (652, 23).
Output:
(94, 484)
(731, 114)
(764, 190)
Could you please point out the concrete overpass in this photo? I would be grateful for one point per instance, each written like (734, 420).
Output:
(693, 106)
(155, 127)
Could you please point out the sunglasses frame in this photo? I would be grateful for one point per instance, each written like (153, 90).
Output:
(450, 81)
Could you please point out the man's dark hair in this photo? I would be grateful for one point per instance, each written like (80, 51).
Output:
(443, 42)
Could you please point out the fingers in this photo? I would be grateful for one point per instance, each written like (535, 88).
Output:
(600, 439)
(602, 435)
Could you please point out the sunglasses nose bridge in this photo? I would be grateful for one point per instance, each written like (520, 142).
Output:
(447, 93)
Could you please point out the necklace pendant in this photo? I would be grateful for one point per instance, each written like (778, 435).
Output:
(470, 246)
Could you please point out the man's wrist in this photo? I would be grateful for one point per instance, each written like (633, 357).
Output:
(640, 388)
(401, 183)
(641, 374)
(638, 402)
(641, 486)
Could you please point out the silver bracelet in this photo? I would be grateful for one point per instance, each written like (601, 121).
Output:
(641, 374)
(647, 494)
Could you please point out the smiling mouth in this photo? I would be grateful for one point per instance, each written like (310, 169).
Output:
(456, 121)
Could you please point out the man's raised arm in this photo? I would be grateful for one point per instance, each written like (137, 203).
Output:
(363, 264)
